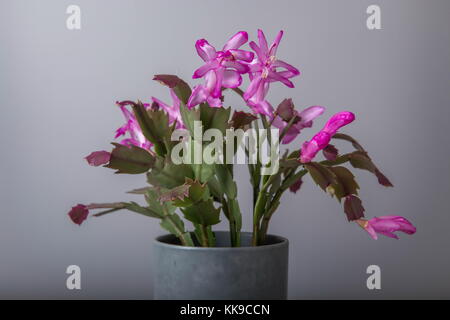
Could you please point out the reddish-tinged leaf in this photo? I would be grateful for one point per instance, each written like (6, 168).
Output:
(382, 179)
(130, 159)
(186, 194)
(241, 120)
(286, 110)
(168, 80)
(179, 86)
(330, 152)
(296, 186)
(353, 208)
(361, 160)
(177, 193)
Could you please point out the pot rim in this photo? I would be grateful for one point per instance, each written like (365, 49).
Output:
(281, 242)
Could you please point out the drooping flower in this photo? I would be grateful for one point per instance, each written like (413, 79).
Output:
(78, 213)
(131, 127)
(323, 137)
(303, 119)
(221, 69)
(386, 226)
(172, 111)
(98, 158)
(264, 70)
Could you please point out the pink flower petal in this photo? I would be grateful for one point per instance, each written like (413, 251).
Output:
(121, 131)
(371, 232)
(240, 67)
(276, 76)
(257, 49)
(323, 137)
(312, 147)
(254, 85)
(130, 142)
(285, 74)
(214, 102)
(389, 234)
(263, 42)
(310, 113)
(231, 79)
(242, 55)
(210, 81)
(236, 41)
(262, 107)
(275, 44)
(199, 95)
(205, 50)
(200, 72)
(292, 133)
(261, 92)
(281, 64)
(387, 225)
(217, 91)
(339, 120)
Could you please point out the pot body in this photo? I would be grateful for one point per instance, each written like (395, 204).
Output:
(221, 272)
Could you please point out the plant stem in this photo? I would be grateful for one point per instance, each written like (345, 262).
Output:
(260, 204)
(266, 126)
(106, 212)
(239, 92)
(179, 233)
(267, 216)
(259, 209)
(231, 221)
(257, 170)
(286, 129)
(276, 202)
(204, 231)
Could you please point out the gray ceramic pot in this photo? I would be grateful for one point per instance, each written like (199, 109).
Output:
(222, 272)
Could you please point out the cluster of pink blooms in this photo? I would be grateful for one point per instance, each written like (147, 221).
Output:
(225, 69)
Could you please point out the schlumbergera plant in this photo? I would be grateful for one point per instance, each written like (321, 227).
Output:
(200, 191)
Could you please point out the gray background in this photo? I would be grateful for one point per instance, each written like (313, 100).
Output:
(57, 91)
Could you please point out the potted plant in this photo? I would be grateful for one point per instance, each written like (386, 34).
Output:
(191, 183)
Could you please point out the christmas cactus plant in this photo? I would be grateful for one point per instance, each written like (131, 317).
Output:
(187, 149)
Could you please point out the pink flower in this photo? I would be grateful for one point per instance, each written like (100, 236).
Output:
(97, 158)
(221, 69)
(78, 213)
(323, 137)
(172, 111)
(386, 225)
(263, 71)
(131, 127)
(305, 117)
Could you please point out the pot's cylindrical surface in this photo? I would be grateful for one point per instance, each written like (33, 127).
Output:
(221, 272)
